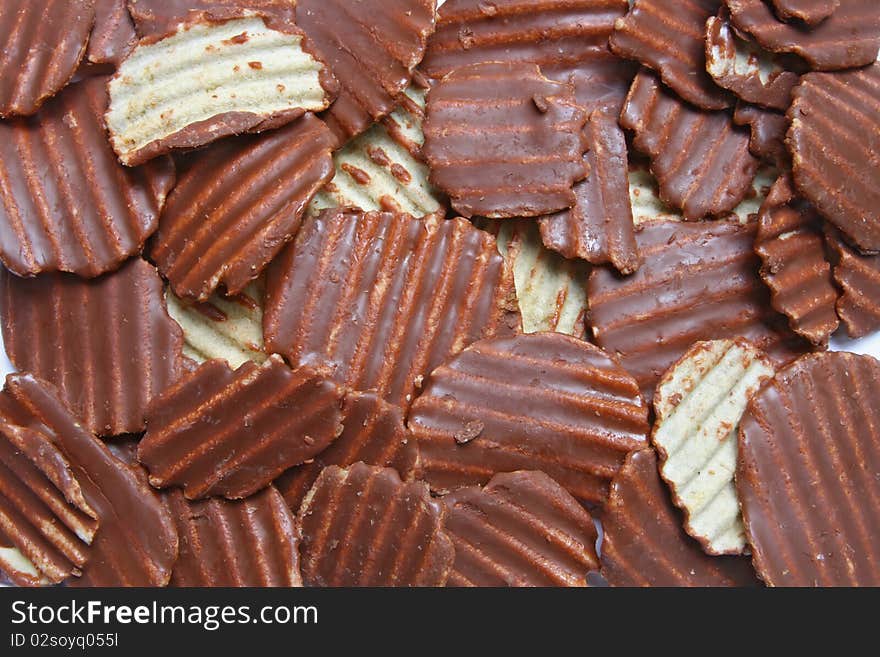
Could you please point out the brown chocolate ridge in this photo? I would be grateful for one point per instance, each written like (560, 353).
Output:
(363, 526)
(108, 344)
(858, 278)
(809, 451)
(161, 17)
(811, 12)
(382, 299)
(113, 35)
(472, 115)
(544, 401)
(521, 529)
(230, 433)
(768, 128)
(66, 204)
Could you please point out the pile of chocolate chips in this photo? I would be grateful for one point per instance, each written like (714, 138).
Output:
(376, 293)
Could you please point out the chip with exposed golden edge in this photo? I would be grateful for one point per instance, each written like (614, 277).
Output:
(698, 405)
(858, 277)
(245, 74)
(544, 401)
(521, 529)
(363, 526)
(230, 433)
(472, 117)
(157, 18)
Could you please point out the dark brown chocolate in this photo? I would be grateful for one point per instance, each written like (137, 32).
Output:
(834, 140)
(66, 204)
(382, 299)
(858, 278)
(230, 433)
(809, 454)
(768, 128)
(644, 543)
(363, 526)
(599, 228)
(792, 250)
(668, 37)
(544, 401)
(108, 344)
(473, 115)
(113, 35)
(701, 159)
(521, 529)
(811, 12)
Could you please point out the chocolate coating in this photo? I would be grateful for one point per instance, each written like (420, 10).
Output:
(768, 128)
(811, 12)
(113, 35)
(858, 278)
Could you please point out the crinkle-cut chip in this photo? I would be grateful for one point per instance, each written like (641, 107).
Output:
(381, 299)
(363, 526)
(701, 159)
(229, 433)
(699, 281)
(46, 522)
(372, 47)
(158, 18)
(749, 72)
(108, 344)
(544, 401)
(849, 38)
(236, 206)
(521, 529)
(550, 290)
(382, 169)
(43, 44)
(792, 250)
(374, 434)
(210, 80)
(858, 278)
(809, 453)
(644, 543)
(811, 12)
(669, 38)
(834, 141)
(250, 542)
(66, 204)
(568, 39)
(768, 128)
(112, 36)
(228, 328)
(698, 406)
(473, 115)
(599, 228)
(135, 543)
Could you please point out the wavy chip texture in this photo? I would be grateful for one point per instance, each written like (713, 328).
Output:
(818, 423)
(858, 278)
(668, 37)
(251, 542)
(698, 404)
(701, 159)
(374, 434)
(230, 433)
(544, 402)
(699, 281)
(849, 38)
(66, 204)
(108, 344)
(241, 75)
(550, 290)
(792, 250)
(237, 205)
(135, 543)
(599, 228)
(811, 12)
(521, 529)
(363, 526)
(834, 142)
(568, 39)
(113, 34)
(381, 299)
(644, 543)
(43, 44)
(472, 115)
(372, 47)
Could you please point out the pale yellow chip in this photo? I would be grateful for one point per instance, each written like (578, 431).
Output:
(551, 290)
(13, 562)
(699, 403)
(380, 170)
(229, 329)
(203, 71)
